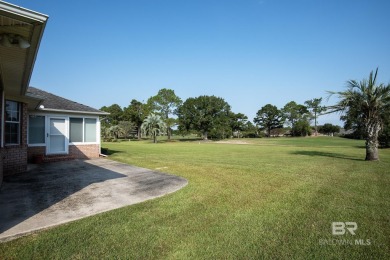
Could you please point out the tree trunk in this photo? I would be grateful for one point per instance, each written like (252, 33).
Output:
(139, 132)
(372, 150)
(154, 138)
(292, 132)
(372, 153)
(315, 123)
(205, 135)
(169, 133)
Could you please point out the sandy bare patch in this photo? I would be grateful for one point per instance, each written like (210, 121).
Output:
(232, 142)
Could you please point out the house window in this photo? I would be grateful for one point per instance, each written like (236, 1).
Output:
(76, 130)
(90, 130)
(12, 122)
(36, 129)
(82, 130)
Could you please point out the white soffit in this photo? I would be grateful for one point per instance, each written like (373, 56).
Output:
(16, 64)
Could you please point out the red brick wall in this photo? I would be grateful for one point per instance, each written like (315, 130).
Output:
(84, 151)
(15, 156)
(15, 159)
(35, 150)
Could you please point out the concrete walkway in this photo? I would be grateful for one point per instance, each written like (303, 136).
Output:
(56, 193)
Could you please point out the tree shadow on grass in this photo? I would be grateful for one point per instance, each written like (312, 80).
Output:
(326, 154)
(176, 140)
(107, 151)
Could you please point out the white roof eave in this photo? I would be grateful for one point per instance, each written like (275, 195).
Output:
(38, 21)
(21, 13)
(72, 111)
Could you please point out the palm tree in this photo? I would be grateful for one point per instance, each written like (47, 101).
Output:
(370, 101)
(114, 131)
(153, 125)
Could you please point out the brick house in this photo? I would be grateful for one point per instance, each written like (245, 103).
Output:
(34, 122)
(58, 128)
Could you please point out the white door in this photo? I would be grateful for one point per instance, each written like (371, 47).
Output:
(57, 136)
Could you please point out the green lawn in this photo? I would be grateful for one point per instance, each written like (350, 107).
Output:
(271, 198)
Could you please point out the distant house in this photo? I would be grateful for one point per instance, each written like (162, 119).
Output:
(34, 122)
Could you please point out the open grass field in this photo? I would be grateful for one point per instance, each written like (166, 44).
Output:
(269, 198)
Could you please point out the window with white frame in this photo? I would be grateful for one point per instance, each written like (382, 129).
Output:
(76, 130)
(90, 130)
(36, 129)
(82, 130)
(12, 122)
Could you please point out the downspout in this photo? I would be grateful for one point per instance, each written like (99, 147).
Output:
(2, 137)
(100, 138)
(2, 118)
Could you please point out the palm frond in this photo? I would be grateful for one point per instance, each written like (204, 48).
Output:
(364, 96)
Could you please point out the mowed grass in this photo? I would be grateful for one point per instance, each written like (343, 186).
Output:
(270, 198)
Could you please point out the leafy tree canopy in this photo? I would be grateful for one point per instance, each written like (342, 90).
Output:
(269, 117)
(116, 114)
(237, 123)
(165, 103)
(315, 106)
(329, 129)
(296, 115)
(301, 128)
(293, 112)
(203, 114)
(136, 112)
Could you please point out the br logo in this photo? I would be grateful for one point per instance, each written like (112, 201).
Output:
(339, 228)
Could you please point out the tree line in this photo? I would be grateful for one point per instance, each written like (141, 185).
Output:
(364, 107)
(210, 117)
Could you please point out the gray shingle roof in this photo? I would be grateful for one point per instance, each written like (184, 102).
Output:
(54, 102)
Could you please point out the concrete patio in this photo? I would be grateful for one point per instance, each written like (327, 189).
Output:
(55, 193)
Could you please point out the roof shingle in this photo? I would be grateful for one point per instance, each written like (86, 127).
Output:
(51, 101)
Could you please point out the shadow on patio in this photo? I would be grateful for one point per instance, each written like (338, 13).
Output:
(56, 193)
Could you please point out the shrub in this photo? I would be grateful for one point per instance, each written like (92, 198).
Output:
(301, 128)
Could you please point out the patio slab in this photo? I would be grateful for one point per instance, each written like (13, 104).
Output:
(55, 193)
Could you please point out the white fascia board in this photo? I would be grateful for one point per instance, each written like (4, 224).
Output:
(72, 111)
(22, 14)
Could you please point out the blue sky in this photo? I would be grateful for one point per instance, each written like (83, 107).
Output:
(250, 52)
